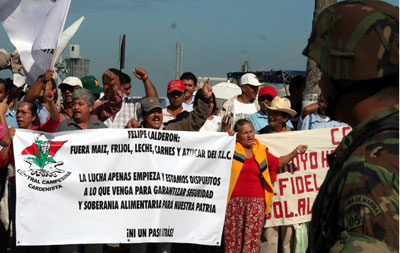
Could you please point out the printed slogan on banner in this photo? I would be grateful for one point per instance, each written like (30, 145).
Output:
(298, 183)
(121, 185)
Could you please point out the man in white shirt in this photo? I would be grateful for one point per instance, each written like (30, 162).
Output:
(242, 106)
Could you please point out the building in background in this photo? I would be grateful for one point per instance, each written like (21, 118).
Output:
(76, 65)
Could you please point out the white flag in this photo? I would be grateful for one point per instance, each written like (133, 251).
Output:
(34, 28)
(67, 36)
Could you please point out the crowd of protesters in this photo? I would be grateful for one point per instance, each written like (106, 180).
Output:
(257, 110)
(84, 104)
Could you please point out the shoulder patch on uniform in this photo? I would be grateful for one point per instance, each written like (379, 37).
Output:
(353, 221)
(365, 201)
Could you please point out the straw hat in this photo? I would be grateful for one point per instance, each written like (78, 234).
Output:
(282, 105)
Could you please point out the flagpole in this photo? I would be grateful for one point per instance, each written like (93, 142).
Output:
(54, 58)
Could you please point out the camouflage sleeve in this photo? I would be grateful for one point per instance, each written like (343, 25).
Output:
(355, 242)
(369, 203)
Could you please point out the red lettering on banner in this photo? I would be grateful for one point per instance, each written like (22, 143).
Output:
(304, 160)
(291, 180)
(281, 185)
(302, 207)
(287, 215)
(324, 159)
(315, 182)
(277, 207)
(345, 129)
(300, 178)
(306, 177)
(313, 160)
(333, 130)
(308, 206)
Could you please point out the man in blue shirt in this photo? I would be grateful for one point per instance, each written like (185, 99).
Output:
(319, 119)
(260, 118)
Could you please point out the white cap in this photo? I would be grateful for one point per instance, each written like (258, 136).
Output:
(72, 81)
(250, 79)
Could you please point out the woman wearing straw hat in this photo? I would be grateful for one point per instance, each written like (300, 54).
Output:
(278, 114)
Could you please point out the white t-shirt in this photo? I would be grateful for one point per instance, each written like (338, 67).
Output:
(167, 116)
(212, 125)
(242, 111)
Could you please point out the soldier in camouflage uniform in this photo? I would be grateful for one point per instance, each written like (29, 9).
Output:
(355, 44)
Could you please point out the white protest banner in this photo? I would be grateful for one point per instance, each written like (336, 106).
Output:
(34, 28)
(298, 183)
(121, 186)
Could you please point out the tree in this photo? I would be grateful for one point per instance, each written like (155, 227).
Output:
(313, 76)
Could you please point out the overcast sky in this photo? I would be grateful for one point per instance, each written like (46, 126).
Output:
(216, 35)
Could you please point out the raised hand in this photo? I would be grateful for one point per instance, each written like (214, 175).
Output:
(48, 96)
(110, 78)
(48, 75)
(140, 74)
(301, 149)
(207, 90)
(132, 123)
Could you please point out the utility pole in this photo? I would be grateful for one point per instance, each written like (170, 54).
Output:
(313, 76)
(121, 55)
(245, 67)
(178, 66)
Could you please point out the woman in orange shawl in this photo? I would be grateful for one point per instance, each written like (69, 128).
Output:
(250, 189)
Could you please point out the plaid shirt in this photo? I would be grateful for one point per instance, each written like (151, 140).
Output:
(130, 108)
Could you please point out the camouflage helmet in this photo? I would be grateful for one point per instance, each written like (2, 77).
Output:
(356, 40)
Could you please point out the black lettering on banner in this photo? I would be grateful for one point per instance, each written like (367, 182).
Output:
(142, 232)
(79, 149)
(161, 232)
(163, 136)
(137, 134)
(130, 233)
(119, 176)
(97, 177)
(48, 51)
(122, 190)
(82, 178)
(211, 154)
(99, 149)
(146, 176)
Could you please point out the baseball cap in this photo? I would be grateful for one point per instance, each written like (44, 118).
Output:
(150, 103)
(71, 81)
(250, 79)
(267, 90)
(90, 83)
(176, 85)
